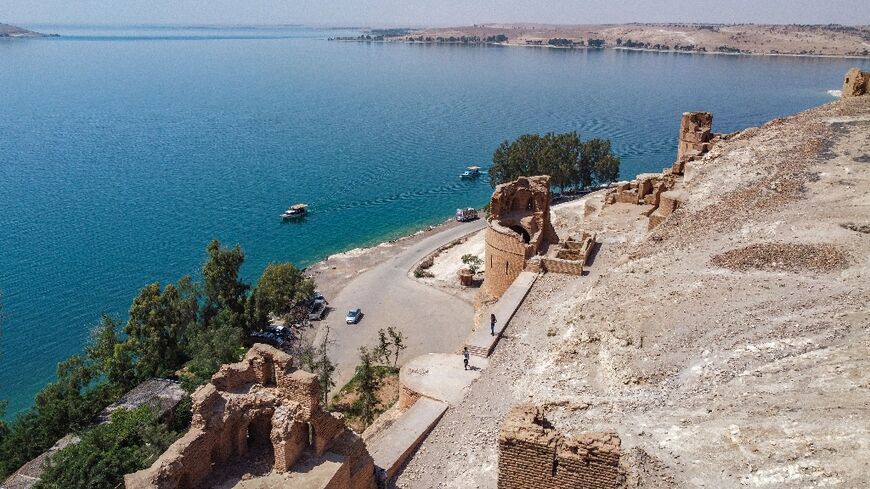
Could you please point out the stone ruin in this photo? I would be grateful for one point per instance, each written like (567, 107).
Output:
(696, 135)
(658, 189)
(262, 403)
(518, 229)
(569, 256)
(534, 455)
(856, 83)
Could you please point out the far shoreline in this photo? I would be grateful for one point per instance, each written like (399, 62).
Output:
(613, 48)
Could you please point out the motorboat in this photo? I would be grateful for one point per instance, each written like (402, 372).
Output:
(471, 172)
(295, 211)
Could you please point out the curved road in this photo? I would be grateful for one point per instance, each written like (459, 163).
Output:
(433, 321)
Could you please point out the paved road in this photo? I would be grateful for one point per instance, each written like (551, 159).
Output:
(432, 320)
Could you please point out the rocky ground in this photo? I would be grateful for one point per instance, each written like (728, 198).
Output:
(729, 347)
(831, 40)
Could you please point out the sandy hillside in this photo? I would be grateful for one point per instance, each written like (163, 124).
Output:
(730, 347)
(748, 38)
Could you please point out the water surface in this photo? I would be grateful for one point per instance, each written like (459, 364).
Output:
(123, 151)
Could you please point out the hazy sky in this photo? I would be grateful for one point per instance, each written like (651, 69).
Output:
(433, 12)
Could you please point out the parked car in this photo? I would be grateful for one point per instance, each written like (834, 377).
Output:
(266, 337)
(317, 311)
(465, 215)
(353, 316)
(282, 331)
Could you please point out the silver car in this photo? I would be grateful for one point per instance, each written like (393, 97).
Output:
(353, 316)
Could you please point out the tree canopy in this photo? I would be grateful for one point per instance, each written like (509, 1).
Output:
(282, 291)
(568, 160)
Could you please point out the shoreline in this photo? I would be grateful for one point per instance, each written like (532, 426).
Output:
(614, 48)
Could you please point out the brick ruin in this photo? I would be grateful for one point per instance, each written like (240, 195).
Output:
(856, 83)
(260, 402)
(569, 256)
(518, 228)
(658, 189)
(534, 455)
(696, 134)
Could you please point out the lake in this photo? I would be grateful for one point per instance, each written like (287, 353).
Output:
(124, 151)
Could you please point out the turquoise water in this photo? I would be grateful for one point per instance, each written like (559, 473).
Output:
(124, 151)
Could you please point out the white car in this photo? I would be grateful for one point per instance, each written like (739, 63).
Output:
(353, 316)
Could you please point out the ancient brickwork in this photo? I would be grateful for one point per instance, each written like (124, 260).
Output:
(645, 189)
(258, 401)
(518, 228)
(856, 83)
(695, 135)
(533, 455)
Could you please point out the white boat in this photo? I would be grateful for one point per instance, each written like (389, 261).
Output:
(295, 211)
(471, 172)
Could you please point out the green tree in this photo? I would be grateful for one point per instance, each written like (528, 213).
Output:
(110, 355)
(598, 162)
(473, 262)
(564, 157)
(607, 169)
(383, 351)
(222, 342)
(282, 291)
(317, 361)
(367, 386)
(158, 327)
(223, 288)
(398, 340)
(130, 442)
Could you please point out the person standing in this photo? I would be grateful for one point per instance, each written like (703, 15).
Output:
(492, 324)
(465, 357)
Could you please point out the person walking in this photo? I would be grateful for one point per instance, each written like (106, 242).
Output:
(465, 357)
(492, 324)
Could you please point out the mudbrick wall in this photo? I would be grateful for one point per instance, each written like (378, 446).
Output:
(856, 83)
(695, 135)
(518, 228)
(533, 455)
(260, 400)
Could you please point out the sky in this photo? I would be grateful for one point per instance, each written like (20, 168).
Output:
(429, 13)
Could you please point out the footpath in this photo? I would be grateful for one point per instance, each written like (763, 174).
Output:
(433, 382)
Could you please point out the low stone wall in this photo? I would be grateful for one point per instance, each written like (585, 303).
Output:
(533, 455)
(560, 265)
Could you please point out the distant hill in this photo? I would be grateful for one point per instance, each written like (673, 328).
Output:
(7, 30)
(807, 40)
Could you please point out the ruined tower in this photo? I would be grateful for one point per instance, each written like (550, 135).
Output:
(518, 228)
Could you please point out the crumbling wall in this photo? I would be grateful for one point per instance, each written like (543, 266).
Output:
(518, 228)
(856, 83)
(533, 455)
(260, 400)
(696, 131)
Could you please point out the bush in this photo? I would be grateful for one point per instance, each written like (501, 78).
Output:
(131, 441)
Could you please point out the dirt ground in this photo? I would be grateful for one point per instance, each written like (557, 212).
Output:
(748, 38)
(729, 347)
